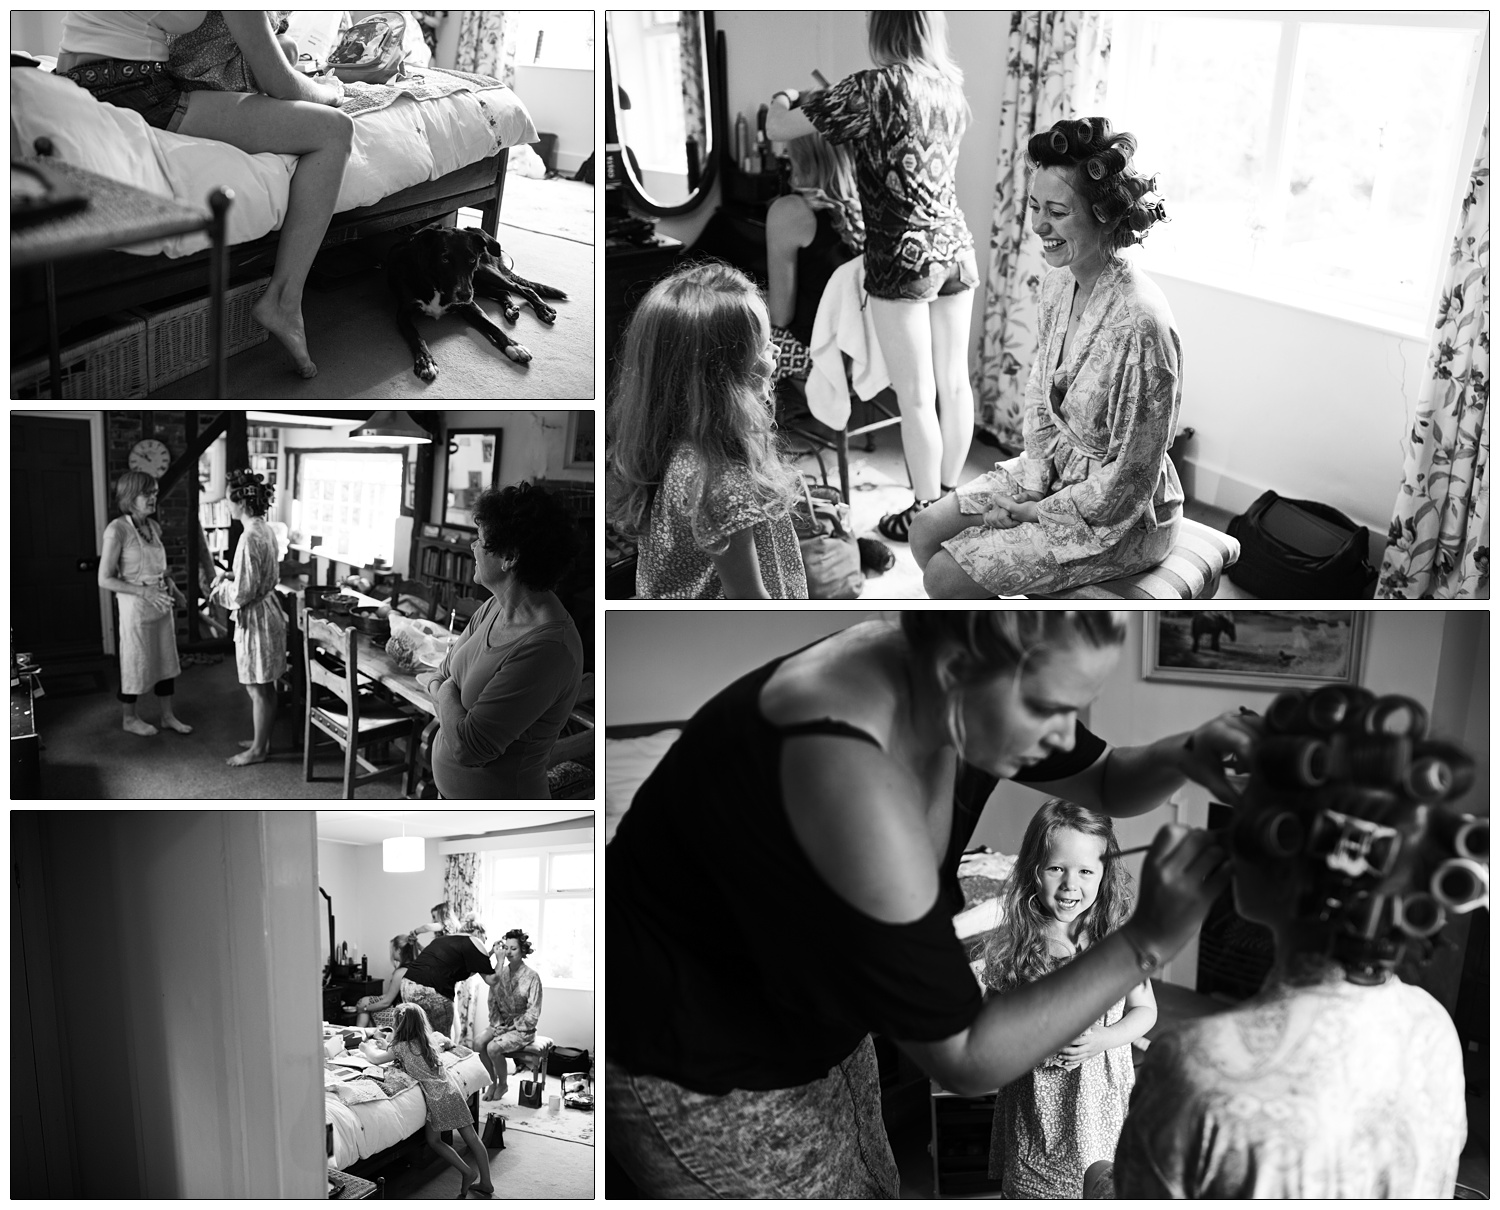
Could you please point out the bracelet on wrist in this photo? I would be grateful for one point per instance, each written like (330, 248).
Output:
(1146, 958)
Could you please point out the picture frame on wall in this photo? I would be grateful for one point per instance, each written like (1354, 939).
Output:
(578, 450)
(1262, 648)
(409, 483)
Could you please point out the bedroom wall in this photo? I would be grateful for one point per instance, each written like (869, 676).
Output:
(664, 664)
(37, 32)
(1256, 370)
(338, 874)
(184, 937)
(561, 102)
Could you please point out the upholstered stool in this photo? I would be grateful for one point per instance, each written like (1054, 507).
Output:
(534, 1057)
(1190, 573)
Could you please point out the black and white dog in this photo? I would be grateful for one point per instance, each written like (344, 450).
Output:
(440, 271)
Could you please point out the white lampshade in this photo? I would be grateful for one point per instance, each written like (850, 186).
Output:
(404, 855)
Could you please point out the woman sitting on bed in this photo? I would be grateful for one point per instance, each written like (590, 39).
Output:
(122, 58)
(379, 1008)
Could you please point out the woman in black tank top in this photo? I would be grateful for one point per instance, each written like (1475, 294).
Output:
(784, 882)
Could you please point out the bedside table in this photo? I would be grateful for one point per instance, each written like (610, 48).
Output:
(630, 269)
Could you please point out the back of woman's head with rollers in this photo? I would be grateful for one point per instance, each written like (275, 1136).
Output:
(1345, 830)
(1098, 164)
(967, 646)
(696, 370)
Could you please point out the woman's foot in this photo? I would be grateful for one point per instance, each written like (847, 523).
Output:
(492, 1093)
(176, 724)
(483, 1190)
(896, 527)
(139, 726)
(287, 326)
(250, 756)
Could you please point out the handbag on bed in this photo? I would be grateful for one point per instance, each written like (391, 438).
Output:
(372, 50)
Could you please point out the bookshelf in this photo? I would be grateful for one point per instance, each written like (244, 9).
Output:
(447, 566)
(214, 520)
(265, 451)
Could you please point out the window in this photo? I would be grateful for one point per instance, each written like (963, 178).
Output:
(550, 894)
(555, 39)
(1315, 160)
(350, 500)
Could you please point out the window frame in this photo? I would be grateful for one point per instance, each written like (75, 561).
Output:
(1319, 299)
(295, 474)
(546, 852)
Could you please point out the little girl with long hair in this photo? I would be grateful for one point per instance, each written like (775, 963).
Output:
(411, 1051)
(1068, 892)
(696, 477)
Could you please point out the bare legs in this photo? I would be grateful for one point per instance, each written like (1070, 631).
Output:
(925, 346)
(942, 577)
(134, 723)
(321, 136)
(486, 1184)
(449, 1156)
(263, 709)
(498, 1069)
(170, 720)
(483, 1047)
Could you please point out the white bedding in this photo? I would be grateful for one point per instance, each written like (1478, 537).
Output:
(359, 1131)
(405, 144)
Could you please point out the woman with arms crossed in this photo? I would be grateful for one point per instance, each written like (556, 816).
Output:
(845, 781)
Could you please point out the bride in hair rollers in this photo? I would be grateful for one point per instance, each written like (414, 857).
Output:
(1094, 495)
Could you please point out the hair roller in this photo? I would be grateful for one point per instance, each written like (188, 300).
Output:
(1096, 168)
(1058, 141)
(1083, 132)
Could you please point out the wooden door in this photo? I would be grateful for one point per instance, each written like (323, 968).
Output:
(54, 550)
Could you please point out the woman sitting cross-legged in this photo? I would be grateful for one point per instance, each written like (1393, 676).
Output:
(1094, 496)
(508, 685)
(379, 1009)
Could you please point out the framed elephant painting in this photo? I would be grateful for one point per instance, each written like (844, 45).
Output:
(1274, 648)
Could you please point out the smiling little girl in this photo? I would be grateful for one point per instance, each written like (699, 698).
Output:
(1067, 893)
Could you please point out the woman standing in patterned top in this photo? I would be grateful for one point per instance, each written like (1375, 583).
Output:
(259, 621)
(695, 475)
(903, 119)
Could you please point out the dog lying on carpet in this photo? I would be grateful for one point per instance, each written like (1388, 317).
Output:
(440, 271)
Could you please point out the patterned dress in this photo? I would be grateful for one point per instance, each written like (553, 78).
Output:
(1318, 1089)
(446, 1108)
(1097, 427)
(260, 622)
(1053, 1122)
(903, 127)
(675, 550)
(515, 1006)
(148, 635)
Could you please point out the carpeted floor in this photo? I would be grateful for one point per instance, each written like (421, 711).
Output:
(360, 355)
(531, 1166)
(574, 1124)
(86, 754)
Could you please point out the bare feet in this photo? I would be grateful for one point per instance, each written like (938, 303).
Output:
(471, 1173)
(249, 743)
(492, 1093)
(248, 757)
(139, 726)
(483, 1190)
(286, 325)
(177, 725)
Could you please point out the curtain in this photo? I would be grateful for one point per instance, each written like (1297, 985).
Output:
(487, 44)
(1055, 68)
(1438, 547)
(459, 874)
(695, 122)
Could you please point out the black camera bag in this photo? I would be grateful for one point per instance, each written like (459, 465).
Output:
(1301, 549)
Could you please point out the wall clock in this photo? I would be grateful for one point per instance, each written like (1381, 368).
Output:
(150, 456)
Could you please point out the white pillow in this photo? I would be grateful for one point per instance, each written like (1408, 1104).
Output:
(627, 763)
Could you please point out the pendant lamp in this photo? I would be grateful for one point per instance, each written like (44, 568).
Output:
(404, 854)
(391, 428)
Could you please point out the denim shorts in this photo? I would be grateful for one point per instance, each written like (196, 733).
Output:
(143, 87)
(940, 280)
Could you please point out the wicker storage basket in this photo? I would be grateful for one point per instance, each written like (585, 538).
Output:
(109, 365)
(177, 338)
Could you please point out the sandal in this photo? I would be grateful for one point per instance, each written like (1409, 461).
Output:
(897, 526)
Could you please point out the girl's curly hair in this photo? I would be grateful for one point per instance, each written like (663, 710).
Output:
(1119, 197)
(1016, 952)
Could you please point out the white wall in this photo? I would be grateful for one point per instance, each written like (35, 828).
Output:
(561, 102)
(39, 33)
(381, 906)
(1312, 406)
(533, 447)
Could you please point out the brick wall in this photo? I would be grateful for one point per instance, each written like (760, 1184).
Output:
(121, 432)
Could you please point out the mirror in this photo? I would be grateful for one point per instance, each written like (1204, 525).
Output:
(473, 465)
(662, 98)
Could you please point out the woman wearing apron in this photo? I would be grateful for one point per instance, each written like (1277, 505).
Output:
(133, 566)
(259, 622)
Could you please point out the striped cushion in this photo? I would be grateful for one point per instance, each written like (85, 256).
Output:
(1190, 573)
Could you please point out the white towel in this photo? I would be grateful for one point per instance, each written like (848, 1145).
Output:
(843, 327)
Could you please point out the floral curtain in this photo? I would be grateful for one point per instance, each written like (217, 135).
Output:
(459, 875)
(1055, 68)
(695, 122)
(1438, 547)
(487, 44)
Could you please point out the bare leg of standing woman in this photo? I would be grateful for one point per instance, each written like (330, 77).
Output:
(950, 315)
(905, 334)
(321, 136)
(263, 710)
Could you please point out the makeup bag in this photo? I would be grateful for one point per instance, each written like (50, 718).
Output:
(1301, 549)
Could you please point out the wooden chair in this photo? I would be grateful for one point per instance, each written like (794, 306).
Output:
(292, 687)
(417, 591)
(352, 718)
(570, 768)
(464, 608)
